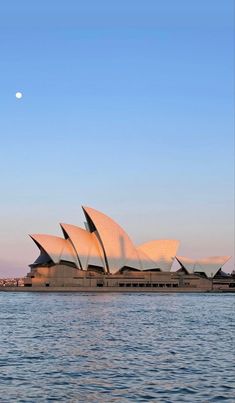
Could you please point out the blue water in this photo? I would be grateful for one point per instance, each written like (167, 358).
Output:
(116, 347)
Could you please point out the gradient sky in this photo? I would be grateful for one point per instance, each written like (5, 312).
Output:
(127, 108)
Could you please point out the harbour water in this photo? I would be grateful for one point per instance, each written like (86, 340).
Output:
(79, 347)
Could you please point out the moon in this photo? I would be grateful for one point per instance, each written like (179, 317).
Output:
(19, 95)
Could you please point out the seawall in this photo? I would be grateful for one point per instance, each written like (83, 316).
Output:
(113, 289)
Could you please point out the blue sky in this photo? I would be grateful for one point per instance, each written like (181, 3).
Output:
(127, 108)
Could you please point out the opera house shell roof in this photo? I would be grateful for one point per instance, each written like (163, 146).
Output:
(104, 246)
(208, 266)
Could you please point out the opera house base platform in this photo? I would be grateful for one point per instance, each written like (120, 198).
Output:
(63, 278)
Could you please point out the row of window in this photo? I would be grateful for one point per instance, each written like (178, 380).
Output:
(160, 285)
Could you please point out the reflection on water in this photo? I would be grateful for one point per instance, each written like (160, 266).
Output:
(116, 347)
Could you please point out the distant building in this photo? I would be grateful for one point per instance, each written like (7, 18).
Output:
(104, 255)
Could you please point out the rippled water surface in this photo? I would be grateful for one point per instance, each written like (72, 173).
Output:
(116, 347)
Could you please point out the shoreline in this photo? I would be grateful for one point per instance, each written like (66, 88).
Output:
(115, 289)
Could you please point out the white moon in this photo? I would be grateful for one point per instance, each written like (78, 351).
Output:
(19, 95)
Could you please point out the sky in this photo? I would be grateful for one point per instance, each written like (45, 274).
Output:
(127, 107)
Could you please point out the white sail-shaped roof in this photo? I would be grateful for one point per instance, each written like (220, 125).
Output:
(187, 263)
(106, 245)
(209, 266)
(162, 252)
(146, 262)
(86, 245)
(57, 248)
(118, 248)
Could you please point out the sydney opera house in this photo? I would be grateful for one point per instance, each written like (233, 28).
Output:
(103, 255)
